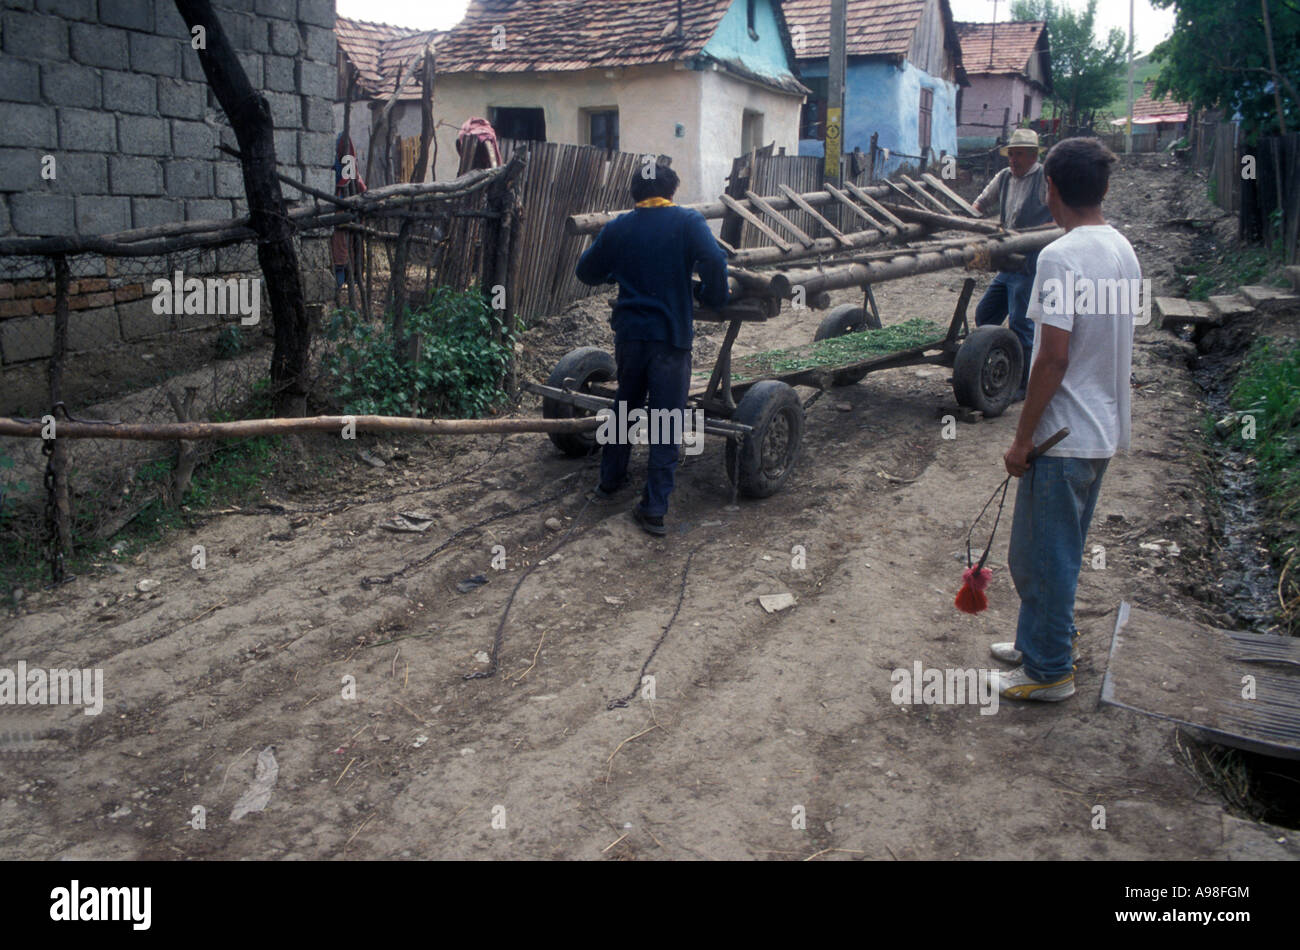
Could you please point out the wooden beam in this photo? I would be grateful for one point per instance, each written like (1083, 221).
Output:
(900, 192)
(947, 220)
(939, 205)
(873, 204)
(957, 199)
(753, 219)
(847, 202)
(808, 209)
(761, 204)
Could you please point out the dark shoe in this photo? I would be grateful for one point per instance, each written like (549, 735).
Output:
(1019, 396)
(601, 495)
(650, 524)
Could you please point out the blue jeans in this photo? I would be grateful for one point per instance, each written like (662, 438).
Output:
(1008, 295)
(1054, 505)
(659, 373)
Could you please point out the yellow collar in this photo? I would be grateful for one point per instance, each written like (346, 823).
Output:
(655, 203)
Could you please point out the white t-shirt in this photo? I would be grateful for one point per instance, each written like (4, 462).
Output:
(1089, 283)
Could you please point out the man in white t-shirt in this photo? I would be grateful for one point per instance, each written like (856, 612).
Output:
(1084, 303)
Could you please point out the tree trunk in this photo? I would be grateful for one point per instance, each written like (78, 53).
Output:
(250, 119)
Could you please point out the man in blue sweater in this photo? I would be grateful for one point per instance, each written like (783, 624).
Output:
(650, 253)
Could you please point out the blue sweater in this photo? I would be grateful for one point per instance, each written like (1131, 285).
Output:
(650, 253)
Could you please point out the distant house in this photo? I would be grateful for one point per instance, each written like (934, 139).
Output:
(902, 78)
(1010, 71)
(699, 80)
(1156, 122)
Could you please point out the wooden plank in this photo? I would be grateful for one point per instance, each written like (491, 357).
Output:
(873, 204)
(848, 202)
(753, 219)
(935, 202)
(952, 196)
(901, 192)
(808, 209)
(800, 235)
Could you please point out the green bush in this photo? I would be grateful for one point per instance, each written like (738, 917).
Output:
(458, 371)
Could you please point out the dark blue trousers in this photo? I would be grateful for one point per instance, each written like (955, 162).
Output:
(1008, 296)
(659, 374)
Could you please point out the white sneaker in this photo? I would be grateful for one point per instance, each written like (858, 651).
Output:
(1007, 652)
(1019, 685)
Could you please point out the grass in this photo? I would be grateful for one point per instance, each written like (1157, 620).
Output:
(1237, 266)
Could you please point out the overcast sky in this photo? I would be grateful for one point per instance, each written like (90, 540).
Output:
(1150, 25)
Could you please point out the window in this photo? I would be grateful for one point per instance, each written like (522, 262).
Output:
(751, 131)
(812, 120)
(751, 16)
(601, 127)
(1029, 105)
(960, 90)
(526, 124)
(923, 125)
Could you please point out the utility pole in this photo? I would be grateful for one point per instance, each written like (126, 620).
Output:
(1128, 137)
(993, 32)
(835, 91)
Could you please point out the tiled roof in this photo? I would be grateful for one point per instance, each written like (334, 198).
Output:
(1144, 106)
(998, 48)
(875, 27)
(380, 50)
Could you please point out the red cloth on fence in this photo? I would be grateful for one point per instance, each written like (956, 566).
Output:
(476, 143)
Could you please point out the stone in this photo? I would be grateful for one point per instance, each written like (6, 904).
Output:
(1175, 311)
(81, 173)
(159, 55)
(85, 131)
(20, 169)
(34, 36)
(1228, 306)
(131, 14)
(19, 80)
(70, 84)
(28, 126)
(27, 338)
(43, 214)
(181, 100)
(139, 322)
(149, 212)
(186, 178)
(193, 140)
(1269, 299)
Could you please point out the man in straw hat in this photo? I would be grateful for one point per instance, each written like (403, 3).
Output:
(1019, 193)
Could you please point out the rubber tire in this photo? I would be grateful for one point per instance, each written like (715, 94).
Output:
(986, 372)
(842, 320)
(587, 365)
(763, 405)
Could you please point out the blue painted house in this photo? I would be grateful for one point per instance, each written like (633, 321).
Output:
(901, 82)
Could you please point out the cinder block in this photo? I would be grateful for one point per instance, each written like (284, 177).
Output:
(279, 72)
(27, 126)
(95, 45)
(186, 178)
(133, 175)
(1229, 306)
(148, 212)
(70, 84)
(93, 329)
(181, 100)
(36, 36)
(322, 44)
(80, 173)
(207, 209)
(19, 81)
(129, 14)
(252, 63)
(229, 180)
(138, 321)
(20, 169)
(286, 148)
(317, 114)
(159, 55)
(284, 9)
(321, 178)
(286, 110)
(27, 338)
(284, 37)
(102, 214)
(318, 79)
(193, 140)
(316, 148)
(143, 135)
(68, 9)
(259, 34)
(317, 12)
(168, 21)
(191, 68)
(82, 130)
(43, 214)
(129, 92)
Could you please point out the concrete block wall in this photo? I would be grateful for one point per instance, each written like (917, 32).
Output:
(113, 95)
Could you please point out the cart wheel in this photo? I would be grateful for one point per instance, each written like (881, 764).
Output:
(585, 365)
(986, 372)
(768, 454)
(841, 321)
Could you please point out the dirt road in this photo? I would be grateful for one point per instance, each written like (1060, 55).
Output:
(769, 737)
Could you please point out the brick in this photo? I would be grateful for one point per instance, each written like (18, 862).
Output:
(193, 140)
(33, 288)
(318, 79)
(316, 148)
(169, 22)
(35, 36)
(280, 75)
(20, 169)
(188, 179)
(101, 214)
(148, 212)
(68, 9)
(130, 14)
(138, 321)
(44, 215)
(284, 9)
(230, 180)
(69, 84)
(95, 300)
(159, 55)
(132, 175)
(19, 81)
(284, 37)
(143, 135)
(318, 114)
(28, 126)
(130, 92)
(81, 173)
(92, 285)
(286, 110)
(15, 308)
(95, 46)
(43, 304)
(286, 148)
(322, 45)
(128, 293)
(92, 329)
(204, 209)
(7, 290)
(27, 338)
(317, 12)
(85, 131)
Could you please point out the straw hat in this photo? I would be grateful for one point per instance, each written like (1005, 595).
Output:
(1022, 138)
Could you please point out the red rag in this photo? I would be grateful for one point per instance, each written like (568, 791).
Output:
(970, 599)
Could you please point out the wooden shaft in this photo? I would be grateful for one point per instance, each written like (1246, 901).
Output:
(948, 221)
(748, 257)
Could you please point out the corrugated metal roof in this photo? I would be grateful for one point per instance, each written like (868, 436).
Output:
(998, 48)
